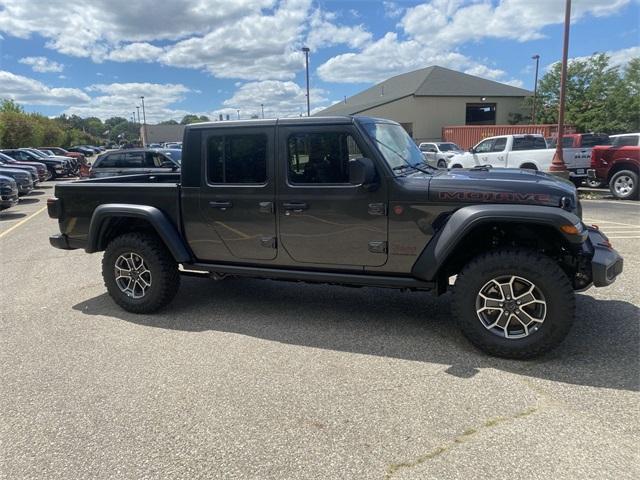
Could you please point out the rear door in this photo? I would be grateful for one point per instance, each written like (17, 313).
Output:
(324, 219)
(236, 197)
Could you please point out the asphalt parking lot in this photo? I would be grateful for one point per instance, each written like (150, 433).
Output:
(251, 379)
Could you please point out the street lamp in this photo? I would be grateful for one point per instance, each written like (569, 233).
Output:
(144, 125)
(138, 109)
(558, 166)
(262, 107)
(535, 90)
(306, 58)
(238, 114)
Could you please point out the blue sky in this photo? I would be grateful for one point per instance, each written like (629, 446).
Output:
(215, 56)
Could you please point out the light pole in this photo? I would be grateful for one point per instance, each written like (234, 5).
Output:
(144, 125)
(558, 166)
(238, 114)
(306, 59)
(535, 90)
(138, 109)
(262, 107)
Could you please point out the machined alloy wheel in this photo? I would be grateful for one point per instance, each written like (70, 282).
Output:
(624, 185)
(511, 307)
(132, 275)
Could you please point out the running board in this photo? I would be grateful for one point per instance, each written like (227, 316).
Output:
(371, 280)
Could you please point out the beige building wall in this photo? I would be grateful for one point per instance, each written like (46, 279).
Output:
(429, 114)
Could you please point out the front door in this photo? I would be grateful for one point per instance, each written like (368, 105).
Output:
(236, 196)
(324, 219)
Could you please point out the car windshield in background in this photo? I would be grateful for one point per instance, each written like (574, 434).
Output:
(174, 153)
(449, 147)
(397, 147)
(625, 141)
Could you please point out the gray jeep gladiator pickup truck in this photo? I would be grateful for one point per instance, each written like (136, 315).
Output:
(345, 200)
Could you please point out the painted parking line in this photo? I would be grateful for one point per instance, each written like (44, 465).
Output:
(22, 222)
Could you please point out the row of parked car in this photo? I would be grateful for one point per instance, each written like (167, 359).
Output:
(585, 156)
(22, 169)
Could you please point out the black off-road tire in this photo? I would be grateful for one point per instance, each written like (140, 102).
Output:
(442, 164)
(165, 278)
(540, 270)
(632, 179)
(52, 174)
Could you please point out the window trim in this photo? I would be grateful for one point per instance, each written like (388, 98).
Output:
(318, 185)
(224, 135)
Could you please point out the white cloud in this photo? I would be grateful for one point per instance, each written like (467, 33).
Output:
(120, 99)
(392, 9)
(617, 58)
(280, 99)
(42, 64)
(258, 46)
(135, 52)
(324, 33)
(431, 32)
(32, 92)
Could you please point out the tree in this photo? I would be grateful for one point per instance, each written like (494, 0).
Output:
(17, 130)
(598, 97)
(8, 105)
(169, 122)
(187, 119)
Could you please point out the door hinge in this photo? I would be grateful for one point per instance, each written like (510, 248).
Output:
(378, 247)
(268, 242)
(378, 209)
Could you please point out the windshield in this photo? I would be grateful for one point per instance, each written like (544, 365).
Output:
(449, 147)
(37, 153)
(397, 147)
(175, 154)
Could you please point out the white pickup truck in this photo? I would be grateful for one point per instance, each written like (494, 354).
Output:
(522, 151)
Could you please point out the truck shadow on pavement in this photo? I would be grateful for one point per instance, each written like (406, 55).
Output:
(601, 350)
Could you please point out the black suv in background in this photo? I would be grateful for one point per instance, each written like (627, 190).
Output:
(132, 162)
(56, 167)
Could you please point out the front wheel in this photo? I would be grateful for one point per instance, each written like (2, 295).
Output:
(139, 272)
(442, 164)
(624, 184)
(514, 303)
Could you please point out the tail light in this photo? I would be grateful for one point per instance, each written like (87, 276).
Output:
(54, 207)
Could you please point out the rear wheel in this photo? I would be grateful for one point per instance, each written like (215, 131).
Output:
(624, 184)
(139, 272)
(514, 303)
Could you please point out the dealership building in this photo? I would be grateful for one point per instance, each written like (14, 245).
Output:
(426, 100)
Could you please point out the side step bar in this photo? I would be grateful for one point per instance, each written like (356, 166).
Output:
(370, 280)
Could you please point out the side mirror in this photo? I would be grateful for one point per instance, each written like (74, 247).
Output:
(361, 171)
(472, 150)
(168, 164)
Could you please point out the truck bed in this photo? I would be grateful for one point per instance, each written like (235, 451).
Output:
(79, 199)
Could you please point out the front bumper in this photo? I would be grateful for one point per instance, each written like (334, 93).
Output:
(606, 263)
(60, 241)
(9, 200)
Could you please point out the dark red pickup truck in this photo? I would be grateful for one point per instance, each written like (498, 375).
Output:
(618, 165)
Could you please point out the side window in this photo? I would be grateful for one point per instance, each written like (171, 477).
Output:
(626, 141)
(110, 161)
(133, 160)
(154, 159)
(499, 145)
(522, 143)
(539, 143)
(484, 147)
(567, 142)
(317, 158)
(237, 159)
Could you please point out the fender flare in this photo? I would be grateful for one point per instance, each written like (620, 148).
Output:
(464, 220)
(157, 219)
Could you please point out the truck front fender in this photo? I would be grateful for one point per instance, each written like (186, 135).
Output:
(162, 225)
(463, 221)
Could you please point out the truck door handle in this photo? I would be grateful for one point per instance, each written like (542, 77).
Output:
(221, 205)
(297, 207)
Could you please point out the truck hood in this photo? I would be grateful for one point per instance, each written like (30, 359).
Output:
(501, 185)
